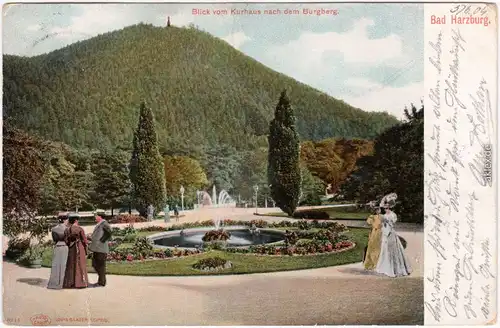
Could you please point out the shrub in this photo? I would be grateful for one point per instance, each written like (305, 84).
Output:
(215, 245)
(17, 247)
(311, 214)
(33, 253)
(336, 228)
(291, 238)
(115, 231)
(258, 223)
(130, 237)
(211, 262)
(303, 225)
(142, 247)
(168, 252)
(152, 229)
(127, 218)
(324, 236)
(216, 235)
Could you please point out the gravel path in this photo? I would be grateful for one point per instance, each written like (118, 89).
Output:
(334, 296)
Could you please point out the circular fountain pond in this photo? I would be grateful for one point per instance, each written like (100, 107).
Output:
(240, 237)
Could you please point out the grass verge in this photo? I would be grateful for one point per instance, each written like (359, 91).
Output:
(242, 263)
(334, 213)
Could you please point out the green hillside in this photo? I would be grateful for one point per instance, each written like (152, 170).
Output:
(202, 92)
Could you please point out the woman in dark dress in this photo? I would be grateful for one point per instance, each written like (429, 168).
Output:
(76, 267)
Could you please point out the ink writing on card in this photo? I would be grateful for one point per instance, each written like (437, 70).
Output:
(459, 169)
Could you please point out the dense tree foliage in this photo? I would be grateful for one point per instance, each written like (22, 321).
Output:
(284, 176)
(69, 181)
(183, 171)
(333, 160)
(147, 172)
(23, 172)
(202, 92)
(253, 172)
(396, 165)
(221, 162)
(312, 188)
(112, 183)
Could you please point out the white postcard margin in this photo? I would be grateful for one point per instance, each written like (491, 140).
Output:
(460, 170)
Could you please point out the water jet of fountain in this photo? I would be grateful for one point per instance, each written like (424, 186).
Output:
(224, 198)
(217, 223)
(214, 196)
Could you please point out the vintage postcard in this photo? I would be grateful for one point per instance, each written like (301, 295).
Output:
(267, 164)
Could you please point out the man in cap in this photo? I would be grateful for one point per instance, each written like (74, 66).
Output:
(100, 248)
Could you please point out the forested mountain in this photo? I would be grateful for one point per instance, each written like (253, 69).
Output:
(202, 91)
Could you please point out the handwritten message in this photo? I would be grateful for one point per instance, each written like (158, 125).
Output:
(460, 141)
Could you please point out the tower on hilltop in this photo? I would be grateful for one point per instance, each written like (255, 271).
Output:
(168, 21)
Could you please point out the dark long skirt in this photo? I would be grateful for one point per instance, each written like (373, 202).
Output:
(76, 268)
(59, 260)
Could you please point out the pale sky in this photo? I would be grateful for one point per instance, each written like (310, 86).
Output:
(369, 55)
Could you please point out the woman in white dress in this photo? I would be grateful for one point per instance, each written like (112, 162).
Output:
(392, 261)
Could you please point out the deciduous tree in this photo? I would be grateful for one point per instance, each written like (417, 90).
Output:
(183, 171)
(112, 182)
(397, 165)
(23, 172)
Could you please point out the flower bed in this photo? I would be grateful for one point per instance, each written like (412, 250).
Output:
(156, 254)
(327, 239)
(303, 225)
(212, 264)
(127, 218)
(304, 249)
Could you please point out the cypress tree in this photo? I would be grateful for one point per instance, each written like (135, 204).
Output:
(147, 171)
(283, 172)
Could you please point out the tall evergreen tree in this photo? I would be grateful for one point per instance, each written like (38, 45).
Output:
(147, 171)
(283, 173)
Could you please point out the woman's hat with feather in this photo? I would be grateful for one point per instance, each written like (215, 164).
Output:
(389, 201)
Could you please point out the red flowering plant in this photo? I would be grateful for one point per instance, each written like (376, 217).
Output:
(216, 235)
(259, 223)
(230, 222)
(291, 238)
(127, 218)
(325, 236)
(343, 244)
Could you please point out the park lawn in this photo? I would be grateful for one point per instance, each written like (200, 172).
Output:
(242, 263)
(139, 234)
(334, 213)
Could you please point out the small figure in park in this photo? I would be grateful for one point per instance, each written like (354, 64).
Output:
(372, 251)
(166, 213)
(150, 212)
(176, 212)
